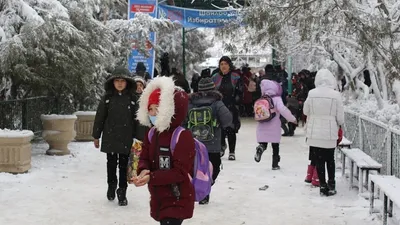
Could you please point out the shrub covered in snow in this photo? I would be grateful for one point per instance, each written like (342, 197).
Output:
(389, 114)
(65, 47)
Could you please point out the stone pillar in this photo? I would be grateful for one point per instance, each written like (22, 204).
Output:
(15, 151)
(58, 132)
(84, 125)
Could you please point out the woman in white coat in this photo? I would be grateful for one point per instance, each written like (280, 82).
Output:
(324, 111)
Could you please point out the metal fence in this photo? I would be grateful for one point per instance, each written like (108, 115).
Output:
(376, 139)
(25, 113)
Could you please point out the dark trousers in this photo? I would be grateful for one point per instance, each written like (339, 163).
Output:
(248, 109)
(121, 160)
(275, 148)
(324, 157)
(231, 135)
(215, 159)
(275, 152)
(292, 128)
(312, 156)
(284, 127)
(171, 221)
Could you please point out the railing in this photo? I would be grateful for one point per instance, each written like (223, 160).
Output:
(376, 139)
(25, 113)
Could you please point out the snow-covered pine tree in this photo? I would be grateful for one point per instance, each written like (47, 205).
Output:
(64, 48)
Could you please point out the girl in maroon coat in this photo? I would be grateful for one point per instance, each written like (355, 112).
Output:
(165, 106)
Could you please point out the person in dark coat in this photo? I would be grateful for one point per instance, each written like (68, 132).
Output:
(141, 85)
(165, 106)
(141, 71)
(180, 80)
(115, 123)
(228, 82)
(195, 82)
(205, 73)
(165, 71)
(247, 98)
(293, 106)
(209, 97)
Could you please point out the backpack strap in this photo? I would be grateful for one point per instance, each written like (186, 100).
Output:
(175, 137)
(151, 133)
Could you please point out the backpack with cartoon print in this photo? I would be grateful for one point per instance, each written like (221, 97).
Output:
(264, 109)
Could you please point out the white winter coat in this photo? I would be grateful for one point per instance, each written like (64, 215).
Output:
(324, 111)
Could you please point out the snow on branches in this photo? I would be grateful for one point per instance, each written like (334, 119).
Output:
(65, 47)
(357, 35)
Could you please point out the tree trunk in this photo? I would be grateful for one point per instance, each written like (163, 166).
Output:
(374, 85)
(14, 91)
(396, 90)
(382, 77)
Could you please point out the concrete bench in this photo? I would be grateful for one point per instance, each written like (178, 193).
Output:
(345, 143)
(363, 162)
(389, 186)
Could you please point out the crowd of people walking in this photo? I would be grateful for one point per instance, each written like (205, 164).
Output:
(152, 111)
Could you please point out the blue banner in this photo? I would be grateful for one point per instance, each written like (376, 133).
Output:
(142, 6)
(193, 18)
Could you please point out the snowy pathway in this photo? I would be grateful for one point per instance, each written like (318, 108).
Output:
(71, 190)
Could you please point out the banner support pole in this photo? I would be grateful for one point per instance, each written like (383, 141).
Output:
(183, 52)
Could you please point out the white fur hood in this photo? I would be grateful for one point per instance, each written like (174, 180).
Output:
(166, 107)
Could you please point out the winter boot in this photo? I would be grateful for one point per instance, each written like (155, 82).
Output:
(205, 201)
(292, 127)
(121, 194)
(331, 187)
(310, 171)
(232, 157)
(259, 151)
(284, 128)
(111, 192)
(323, 190)
(315, 179)
(223, 149)
(275, 161)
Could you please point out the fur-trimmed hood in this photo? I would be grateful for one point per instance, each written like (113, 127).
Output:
(204, 97)
(173, 106)
(130, 83)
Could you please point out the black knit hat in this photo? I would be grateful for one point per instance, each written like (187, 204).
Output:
(206, 84)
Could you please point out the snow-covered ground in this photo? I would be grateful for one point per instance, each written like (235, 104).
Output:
(71, 190)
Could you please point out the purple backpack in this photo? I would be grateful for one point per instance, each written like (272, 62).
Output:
(203, 169)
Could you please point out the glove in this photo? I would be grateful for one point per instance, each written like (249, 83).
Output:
(340, 135)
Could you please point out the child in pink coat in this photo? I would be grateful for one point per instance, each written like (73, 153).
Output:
(270, 132)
